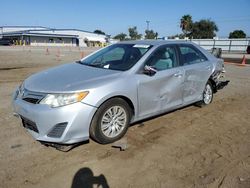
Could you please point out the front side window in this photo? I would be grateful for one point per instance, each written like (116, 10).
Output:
(117, 57)
(191, 55)
(163, 58)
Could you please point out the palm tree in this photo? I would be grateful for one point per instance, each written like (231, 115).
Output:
(186, 24)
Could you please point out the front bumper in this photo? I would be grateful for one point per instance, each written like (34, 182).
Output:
(74, 119)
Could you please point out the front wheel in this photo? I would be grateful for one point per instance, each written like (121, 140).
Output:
(207, 96)
(111, 121)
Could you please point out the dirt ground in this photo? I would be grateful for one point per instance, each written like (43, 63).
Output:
(191, 147)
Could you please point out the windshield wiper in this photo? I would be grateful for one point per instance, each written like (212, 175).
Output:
(78, 61)
(91, 65)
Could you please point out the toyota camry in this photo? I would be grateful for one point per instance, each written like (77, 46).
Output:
(99, 96)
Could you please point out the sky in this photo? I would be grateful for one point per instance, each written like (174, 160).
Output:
(115, 16)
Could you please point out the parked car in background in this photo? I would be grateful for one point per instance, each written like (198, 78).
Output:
(5, 42)
(248, 49)
(102, 94)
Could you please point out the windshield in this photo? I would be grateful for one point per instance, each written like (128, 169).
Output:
(117, 56)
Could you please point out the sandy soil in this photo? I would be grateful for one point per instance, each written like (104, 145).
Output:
(190, 147)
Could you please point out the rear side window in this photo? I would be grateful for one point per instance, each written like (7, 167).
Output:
(191, 55)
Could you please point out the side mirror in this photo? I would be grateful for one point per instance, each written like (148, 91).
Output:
(148, 70)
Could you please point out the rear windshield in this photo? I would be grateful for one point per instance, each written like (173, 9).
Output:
(117, 56)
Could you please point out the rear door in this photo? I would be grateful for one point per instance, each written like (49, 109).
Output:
(163, 90)
(197, 70)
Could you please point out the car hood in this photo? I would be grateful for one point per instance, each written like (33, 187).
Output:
(69, 78)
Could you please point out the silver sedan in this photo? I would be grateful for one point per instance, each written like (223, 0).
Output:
(100, 95)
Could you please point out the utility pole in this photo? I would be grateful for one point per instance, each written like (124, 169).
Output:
(147, 24)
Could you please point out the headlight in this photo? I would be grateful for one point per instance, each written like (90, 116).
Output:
(56, 100)
(19, 91)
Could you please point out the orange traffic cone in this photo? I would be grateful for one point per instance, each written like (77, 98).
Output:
(47, 51)
(58, 55)
(82, 55)
(243, 62)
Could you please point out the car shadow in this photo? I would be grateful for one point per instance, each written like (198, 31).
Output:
(84, 178)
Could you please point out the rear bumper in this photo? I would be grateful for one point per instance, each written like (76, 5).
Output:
(219, 80)
(43, 122)
(222, 84)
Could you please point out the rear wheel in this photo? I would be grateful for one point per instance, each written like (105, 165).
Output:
(111, 121)
(207, 96)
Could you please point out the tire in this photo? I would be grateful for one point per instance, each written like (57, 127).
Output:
(207, 96)
(111, 121)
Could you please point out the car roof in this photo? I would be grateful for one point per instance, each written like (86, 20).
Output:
(155, 42)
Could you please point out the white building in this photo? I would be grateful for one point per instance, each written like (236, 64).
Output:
(43, 36)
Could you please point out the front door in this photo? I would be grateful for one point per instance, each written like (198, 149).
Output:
(163, 90)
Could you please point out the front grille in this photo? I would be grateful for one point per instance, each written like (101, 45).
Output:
(28, 124)
(57, 130)
(32, 97)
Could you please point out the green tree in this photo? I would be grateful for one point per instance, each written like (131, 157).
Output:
(121, 36)
(133, 33)
(186, 24)
(98, 31)
(150, 34)
(237, 34)
(203, 29)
